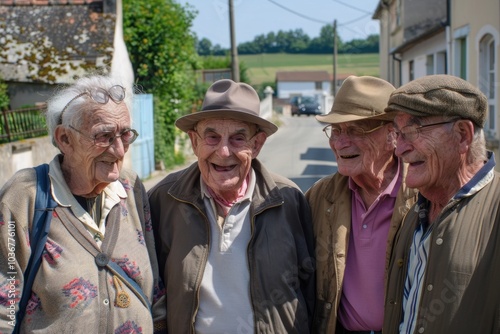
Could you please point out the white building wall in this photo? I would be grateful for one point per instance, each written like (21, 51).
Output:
(289, 89)
(418, 55)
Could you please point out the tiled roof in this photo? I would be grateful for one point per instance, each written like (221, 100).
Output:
(81, 31)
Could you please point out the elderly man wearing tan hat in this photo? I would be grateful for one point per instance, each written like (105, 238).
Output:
(357, 210)
(234, 241)
(444, 272)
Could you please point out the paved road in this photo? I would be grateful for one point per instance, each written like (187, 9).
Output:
(299, 150)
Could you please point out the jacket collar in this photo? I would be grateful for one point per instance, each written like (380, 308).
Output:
(187, 187)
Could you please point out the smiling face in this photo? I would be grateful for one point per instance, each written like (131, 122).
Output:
(88, 168)
(225, 149)
(363, 157)
(434, 158)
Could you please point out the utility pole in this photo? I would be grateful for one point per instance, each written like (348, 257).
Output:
(235, 68)
(334, 82)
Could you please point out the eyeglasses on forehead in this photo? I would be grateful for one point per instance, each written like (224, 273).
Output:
(100, 95)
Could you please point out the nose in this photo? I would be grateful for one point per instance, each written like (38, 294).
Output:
(402, 146)
(118, 148)
(342, 141)
(223, 148)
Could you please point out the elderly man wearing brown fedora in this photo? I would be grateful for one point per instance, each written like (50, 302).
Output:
(445, 268)
(234, 242)
(357, 211)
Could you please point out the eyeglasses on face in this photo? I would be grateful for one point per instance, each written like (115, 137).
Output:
(107, 138)
(237, 140)
(115, 93)
(412, 132)
(333, 132)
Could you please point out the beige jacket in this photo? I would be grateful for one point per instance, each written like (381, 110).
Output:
(330, 201)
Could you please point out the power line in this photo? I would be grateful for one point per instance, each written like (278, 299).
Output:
(344, 25)
(352, 7)
(297, 13)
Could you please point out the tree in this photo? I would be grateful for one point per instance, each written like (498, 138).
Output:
(204, 47)
(163, 54)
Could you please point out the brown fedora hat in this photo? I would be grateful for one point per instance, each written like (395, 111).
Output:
(360, 98)
(227, 99)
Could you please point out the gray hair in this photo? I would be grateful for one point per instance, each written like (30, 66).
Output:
(73, 115)
(477, 151)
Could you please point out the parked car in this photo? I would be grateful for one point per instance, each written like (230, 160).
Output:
(305, 105)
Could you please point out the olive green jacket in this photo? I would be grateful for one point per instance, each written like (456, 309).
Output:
(460, 291)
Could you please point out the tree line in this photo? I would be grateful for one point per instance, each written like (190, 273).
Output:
(294, 41)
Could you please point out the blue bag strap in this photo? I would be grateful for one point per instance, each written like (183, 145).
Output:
(44, 203)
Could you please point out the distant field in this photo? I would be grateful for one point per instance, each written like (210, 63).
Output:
(263, 67)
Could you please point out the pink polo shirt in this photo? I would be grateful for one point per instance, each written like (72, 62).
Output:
(362, 302)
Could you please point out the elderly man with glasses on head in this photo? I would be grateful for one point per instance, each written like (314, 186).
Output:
(357, 210)
(98, 270)
(445, 268)
(234, 241)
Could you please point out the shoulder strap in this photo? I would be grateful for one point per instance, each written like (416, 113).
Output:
(101, 258)
(38, 236)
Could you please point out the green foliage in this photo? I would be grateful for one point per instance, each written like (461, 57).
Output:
(294, 41)
(4, 96)
(22, 124)
(162, 51)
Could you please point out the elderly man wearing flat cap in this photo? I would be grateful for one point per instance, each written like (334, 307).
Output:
(445, 268)
(234, 241)
(357, 211)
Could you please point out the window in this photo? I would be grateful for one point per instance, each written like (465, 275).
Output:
(411, 70)
(487, 78)
(429, 64)
(460, 37)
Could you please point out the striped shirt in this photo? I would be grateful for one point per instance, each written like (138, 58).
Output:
(419, 249)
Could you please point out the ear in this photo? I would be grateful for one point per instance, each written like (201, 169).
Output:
(64, 139)
(194, 141)
(259, 140)
(465, 129)
(391, 137)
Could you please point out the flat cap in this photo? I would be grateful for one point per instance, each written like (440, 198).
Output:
(440, 95)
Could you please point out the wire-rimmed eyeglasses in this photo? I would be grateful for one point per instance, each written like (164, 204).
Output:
(99, 95)
(107, 138)
(236, 140)
(354, 132)
(412, 132)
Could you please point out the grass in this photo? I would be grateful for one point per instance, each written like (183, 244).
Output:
(262, 68)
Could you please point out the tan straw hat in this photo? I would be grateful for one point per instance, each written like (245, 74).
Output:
(360, 98)
(226, 99)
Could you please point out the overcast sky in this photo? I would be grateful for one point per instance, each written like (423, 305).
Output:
(257, 17)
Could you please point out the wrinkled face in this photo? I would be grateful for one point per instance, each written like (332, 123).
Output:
(225, 149)
(358, 154)
(91, 166)
(433, 156)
